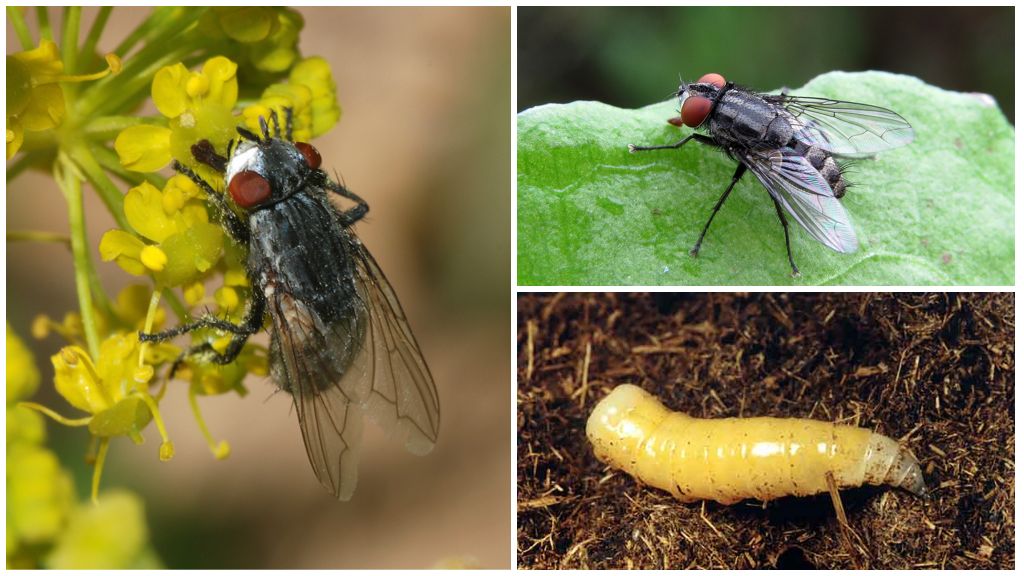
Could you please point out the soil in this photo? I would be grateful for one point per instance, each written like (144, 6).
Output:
(934, 371)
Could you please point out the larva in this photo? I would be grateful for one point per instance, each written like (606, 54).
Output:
(730, 459)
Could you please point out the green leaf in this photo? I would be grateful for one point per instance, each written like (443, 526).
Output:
(936, 212)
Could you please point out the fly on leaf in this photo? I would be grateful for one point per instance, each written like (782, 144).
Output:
(791, 145)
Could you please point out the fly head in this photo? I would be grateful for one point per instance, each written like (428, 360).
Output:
(697, 99)
(263, 171)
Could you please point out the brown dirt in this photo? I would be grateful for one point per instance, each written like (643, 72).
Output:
(933, 370)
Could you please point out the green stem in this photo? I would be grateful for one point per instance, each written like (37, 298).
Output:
(17, 21)
(70, 25)
(56, 417)
(95, 31)
(37, 236)
(97, 471)
(72, 188)
(108, 127)
(164, 29)
(142, 32)
(107, 96)
(111, 195)
(43, 16)
(167, 447)
(102, 300)
(135, 84)
(220, 449)
(154, 302)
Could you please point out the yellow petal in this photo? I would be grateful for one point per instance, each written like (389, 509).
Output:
(45, 109)
(76, 380)
(43, 61)
(144, 208)
(125, 249)
(169, 90)
(227, 298)
(144, 148)
(247, 24)
(223, 81)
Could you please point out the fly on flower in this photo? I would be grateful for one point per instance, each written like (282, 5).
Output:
(790, 143)
(339, 341)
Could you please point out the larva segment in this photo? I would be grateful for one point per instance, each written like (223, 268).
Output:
(730, 459)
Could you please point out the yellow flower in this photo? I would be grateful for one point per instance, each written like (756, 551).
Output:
(185, 244)
(35, 100)
(311, 94)
(22, 374)
(111, 534)
(197, 106)
(40, 494)
(264, 37)
(113, 388)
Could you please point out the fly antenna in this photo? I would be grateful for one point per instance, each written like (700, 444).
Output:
(288, 123)
(275, 122)
(264, 128)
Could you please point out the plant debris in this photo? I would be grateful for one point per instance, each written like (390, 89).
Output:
(934, 371)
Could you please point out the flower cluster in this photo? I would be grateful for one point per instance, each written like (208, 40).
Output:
(46, 527)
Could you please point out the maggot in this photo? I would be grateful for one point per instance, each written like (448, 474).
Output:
(730, 459)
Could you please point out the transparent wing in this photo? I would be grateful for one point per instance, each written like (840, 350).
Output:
(367, 362)
(402, 393)
(308, 358)
(804, 194)
(847, 128)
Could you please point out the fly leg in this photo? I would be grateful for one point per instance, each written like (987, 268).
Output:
(354, 214)
(235, 226)
(698, 137)
(251, 324)
(740, 170)
(785, 228)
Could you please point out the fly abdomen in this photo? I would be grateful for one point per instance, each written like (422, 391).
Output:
(824, 163)
(833, 174)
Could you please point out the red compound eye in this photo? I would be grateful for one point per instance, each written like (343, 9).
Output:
(695, 110)
(717, 79)
(249, 189)
(310, 153)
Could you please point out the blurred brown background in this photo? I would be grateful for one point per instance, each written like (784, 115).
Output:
(425, 138)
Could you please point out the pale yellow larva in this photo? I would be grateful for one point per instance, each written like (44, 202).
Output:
(730, 459)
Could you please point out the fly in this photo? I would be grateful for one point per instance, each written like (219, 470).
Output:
(339, 342)
(790, 143)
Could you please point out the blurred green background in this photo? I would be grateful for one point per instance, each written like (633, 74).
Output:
(630, 57)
